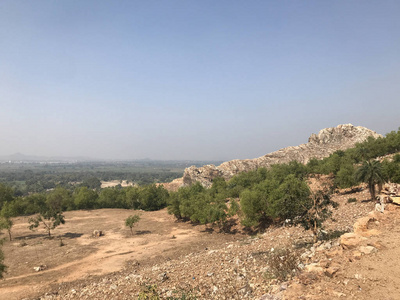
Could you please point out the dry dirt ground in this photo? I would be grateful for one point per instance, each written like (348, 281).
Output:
(180, 257)
(157, 237)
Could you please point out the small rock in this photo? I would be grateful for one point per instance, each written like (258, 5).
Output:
(357, 254)
(331, 271)
(40, 268)
(368, 249)
(97, 233)
(351, 240)
(314, 268)
(163, 277)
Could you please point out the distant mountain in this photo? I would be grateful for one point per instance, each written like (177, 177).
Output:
(319, 145)
(19, 157)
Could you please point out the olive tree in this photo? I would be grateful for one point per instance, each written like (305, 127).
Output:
(131, 221)
(51, 215)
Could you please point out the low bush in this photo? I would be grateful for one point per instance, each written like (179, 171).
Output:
(283, 263)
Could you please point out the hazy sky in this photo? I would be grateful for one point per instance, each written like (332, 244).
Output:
(192, 79)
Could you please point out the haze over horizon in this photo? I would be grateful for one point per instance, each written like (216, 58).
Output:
(195, 80)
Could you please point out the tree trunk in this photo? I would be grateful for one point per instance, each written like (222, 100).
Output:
(372, 191)
(315, 232)
(9, 234)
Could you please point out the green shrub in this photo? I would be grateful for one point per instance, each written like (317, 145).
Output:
(351, 200)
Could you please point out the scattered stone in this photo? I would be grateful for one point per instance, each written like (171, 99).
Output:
(314, 268)
(97, 233)
(163, 276)
(357, 254)
(331, 271)
(367, 249)
(40, 268)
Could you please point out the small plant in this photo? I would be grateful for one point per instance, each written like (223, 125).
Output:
(331, 235)
(283, 263)
(131, 221)
(182, 295)
(318, 211)
(351, 200)
(149, 293)
(23, 244)
(61, 242)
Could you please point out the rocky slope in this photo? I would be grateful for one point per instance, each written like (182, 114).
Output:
(319, 145)
(333, 269)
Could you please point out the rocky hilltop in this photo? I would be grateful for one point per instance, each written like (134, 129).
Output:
(319, 145)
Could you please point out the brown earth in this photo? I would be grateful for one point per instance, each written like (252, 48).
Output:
(178, 258)
(157, 237)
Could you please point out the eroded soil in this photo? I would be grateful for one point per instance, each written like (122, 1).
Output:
(157, 237)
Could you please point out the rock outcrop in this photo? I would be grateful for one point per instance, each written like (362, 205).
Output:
(319, 145)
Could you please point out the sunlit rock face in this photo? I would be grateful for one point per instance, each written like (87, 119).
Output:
(319, 145)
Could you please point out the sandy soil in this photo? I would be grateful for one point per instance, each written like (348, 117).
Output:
(112, 183)
(157, 237)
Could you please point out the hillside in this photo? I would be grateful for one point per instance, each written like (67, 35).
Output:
(319, 145)
(238, 269)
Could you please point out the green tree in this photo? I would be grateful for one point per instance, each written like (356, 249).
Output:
(255, 202)
(370, 172)
(132, 198)
(290, 199)
(51, 215)
(3, 267)
(60, 199)
(253, 205)
(131, 221)
(345, 177)
(91, 183)
(49, 221)
(6, 213)
(6, 194)
(152, 197)
(112, 198)
(85, 198)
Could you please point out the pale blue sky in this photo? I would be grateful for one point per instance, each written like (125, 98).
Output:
(192, 79)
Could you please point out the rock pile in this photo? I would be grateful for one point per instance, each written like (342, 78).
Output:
(319, 145)
(389, 194)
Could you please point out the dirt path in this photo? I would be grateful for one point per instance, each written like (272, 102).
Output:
(157, 237)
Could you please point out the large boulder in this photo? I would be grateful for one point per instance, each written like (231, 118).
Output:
(351, 240)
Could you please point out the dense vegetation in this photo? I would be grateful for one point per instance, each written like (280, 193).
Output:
(34, 177)
(343, 164)
(265, 196)
(281, 192)
(147, 197)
